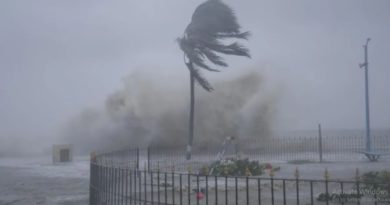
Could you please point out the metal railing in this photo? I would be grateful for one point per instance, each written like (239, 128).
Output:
(118, 181)
(276, 149)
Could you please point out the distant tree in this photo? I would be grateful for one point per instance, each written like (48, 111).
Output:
(211, 23)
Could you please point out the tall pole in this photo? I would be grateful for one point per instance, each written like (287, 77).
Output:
(320, 141)
(192, 111)
(365, 65)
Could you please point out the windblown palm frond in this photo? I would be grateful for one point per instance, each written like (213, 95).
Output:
(199, 77)
(212, 22)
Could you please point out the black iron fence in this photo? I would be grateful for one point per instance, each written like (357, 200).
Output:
(118, 178)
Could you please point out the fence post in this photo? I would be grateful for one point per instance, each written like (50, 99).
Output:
(327, 177)
(148, 150)
(357, 179)
(296, 174)
(137, 165)
(92, 181)
(320, 141)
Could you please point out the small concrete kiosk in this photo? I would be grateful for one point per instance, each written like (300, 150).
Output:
(62, 153)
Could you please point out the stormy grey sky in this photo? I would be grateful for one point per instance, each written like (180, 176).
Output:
(60, 57)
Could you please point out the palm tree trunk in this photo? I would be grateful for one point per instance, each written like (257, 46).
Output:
(192, 113)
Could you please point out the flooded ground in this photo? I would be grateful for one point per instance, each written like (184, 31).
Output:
(36, 181)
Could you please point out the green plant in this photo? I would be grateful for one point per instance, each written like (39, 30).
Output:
(234, 167)
(377, 183)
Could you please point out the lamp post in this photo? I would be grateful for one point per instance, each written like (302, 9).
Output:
(365, 66)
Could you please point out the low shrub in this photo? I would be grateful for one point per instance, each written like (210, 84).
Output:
(377, 183)
(373, 185)
(236, 167)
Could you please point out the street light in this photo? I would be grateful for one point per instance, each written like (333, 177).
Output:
(365, 66)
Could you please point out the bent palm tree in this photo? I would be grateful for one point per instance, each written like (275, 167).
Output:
(212, 22)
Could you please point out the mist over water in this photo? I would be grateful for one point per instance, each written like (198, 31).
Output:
(144, 112)
(53, 65)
